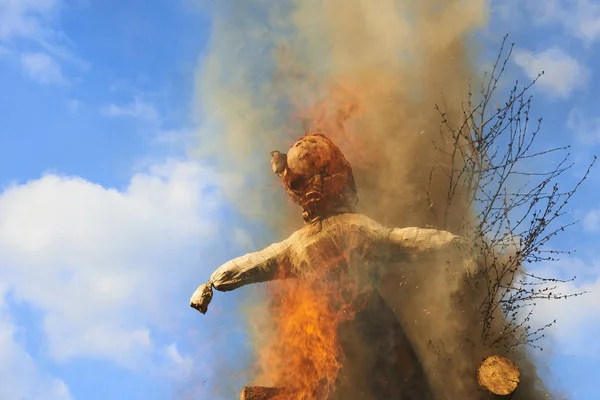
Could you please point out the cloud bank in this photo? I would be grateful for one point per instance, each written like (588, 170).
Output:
(104, 267)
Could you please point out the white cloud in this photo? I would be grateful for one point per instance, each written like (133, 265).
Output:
(136, 109)
(42, 68)
(580, 18)
(98, 262)
(562, 73)
(19, 375)
(180, 366)
(585, 128)
(577, 324)
(591, 221)
(27, 19)
(587, 25)
(35, 21)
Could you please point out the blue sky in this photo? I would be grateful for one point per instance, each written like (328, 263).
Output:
(106, 225)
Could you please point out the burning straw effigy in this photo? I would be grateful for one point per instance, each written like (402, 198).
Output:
(336, 336)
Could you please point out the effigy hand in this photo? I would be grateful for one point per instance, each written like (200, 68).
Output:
(202, 297)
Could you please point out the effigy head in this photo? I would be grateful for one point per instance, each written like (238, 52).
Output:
(317, 177)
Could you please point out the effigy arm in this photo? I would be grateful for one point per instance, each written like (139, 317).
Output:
(260, 266)
(405, 244)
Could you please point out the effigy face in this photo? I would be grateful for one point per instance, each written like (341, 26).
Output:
(317, 177)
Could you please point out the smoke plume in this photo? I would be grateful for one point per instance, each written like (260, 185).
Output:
(367, 74)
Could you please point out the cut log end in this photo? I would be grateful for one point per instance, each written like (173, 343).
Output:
(259, 393)
(498, 375)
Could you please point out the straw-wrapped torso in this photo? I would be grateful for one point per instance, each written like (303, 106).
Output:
(351, 243)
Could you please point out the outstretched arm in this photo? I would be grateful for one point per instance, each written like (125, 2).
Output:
(261, 266)
(265, 265)
(404, 244)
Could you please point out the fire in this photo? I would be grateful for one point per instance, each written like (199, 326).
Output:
(343, 101)
(304, 356)
(349, 111)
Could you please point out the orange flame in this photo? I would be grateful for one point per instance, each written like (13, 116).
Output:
(332, 113)
(304, 356)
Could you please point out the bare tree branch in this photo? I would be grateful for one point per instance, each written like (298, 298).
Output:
(518, 211)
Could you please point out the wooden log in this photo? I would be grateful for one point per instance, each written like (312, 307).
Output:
(499, 375)
(259, 393)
